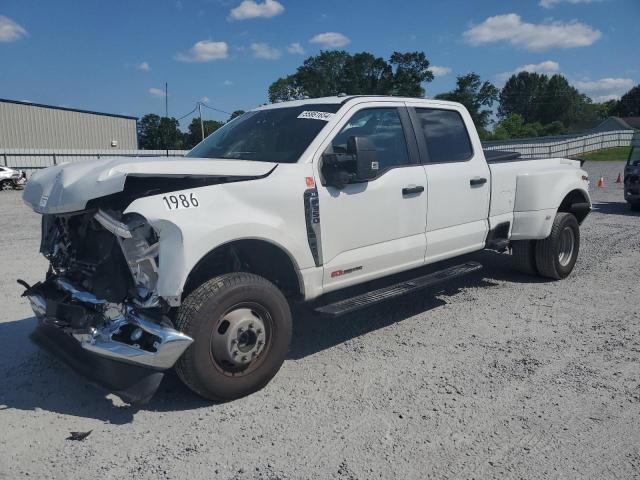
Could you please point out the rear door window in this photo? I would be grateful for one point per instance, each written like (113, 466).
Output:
(445, 135)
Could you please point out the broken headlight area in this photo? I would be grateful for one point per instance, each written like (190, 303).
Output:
(98, 305)
(115, 258)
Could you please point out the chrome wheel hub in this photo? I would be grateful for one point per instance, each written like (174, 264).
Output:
(567, 244)
(239, 338)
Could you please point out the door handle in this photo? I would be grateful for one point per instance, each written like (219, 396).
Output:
(412, 190)
(477, 181)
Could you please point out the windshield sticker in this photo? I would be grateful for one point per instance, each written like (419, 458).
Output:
(326, 116)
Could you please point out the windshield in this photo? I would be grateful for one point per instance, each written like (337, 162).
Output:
(634, 156)
(276, 135)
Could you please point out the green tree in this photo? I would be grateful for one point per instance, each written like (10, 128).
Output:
(522, 94)
(193, 136)
(157, 133)
(286, 88)
(560, 102)
(235, 114)
(514, 126)
(629, 104)
(605, 109)
(411, 70)
(337, 71)
(477, 96)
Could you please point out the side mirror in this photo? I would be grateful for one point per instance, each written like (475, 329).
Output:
(366, 158)
(358, 164)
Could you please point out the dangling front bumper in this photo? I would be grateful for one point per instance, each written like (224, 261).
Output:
(115, 346)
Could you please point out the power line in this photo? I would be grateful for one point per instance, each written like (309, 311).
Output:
(212, 108)
(204, 105)
(187, 114)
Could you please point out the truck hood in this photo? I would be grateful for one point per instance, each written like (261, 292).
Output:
(68, 187)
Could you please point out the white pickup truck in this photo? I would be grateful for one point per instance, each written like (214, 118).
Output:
(193, 262)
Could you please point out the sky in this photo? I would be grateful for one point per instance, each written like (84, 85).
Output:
(115, 56)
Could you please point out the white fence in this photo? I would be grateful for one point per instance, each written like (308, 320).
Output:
(28, 159)
(565, 146)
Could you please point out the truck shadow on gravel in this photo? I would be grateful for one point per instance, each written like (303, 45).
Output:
(615, 208)
(32, 380)
(313, 332)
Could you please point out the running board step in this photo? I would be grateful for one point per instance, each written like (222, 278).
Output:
(370, 298)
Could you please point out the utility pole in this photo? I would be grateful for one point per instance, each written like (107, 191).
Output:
(201, 125)
(166, 113)
(166, 99)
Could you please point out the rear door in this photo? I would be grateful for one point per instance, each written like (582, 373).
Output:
(374, 228)
(458, 187)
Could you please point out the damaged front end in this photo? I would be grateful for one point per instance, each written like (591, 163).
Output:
(98, 307)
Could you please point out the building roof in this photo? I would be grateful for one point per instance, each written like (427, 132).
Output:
(633, 122)
(617, 123)
(55, 107)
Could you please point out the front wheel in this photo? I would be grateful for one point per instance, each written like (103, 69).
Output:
(241, 326)
(6, 185)
(556, 255)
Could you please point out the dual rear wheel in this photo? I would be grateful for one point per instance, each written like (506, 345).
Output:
(553, 257)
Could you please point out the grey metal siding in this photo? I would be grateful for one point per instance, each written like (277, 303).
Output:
(34, 126)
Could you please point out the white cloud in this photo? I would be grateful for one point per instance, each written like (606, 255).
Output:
(10, 31)
(439, 71)
(205, 51)
(265, 51)
(205, 99)
(295, 48)
(227, 83)
(157, 92)
(605, 98)
(553, 3)
(510, 28)
(331, 40)
(252, 9)
(606, 84)
(606, 88)
(548, 67)
(144, 66)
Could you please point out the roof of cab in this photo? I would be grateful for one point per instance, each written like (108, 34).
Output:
(348, 98)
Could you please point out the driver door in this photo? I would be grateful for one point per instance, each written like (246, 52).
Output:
(374, 228)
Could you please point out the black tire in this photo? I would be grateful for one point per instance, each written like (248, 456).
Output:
(6, 185)
(635, 207)
(524, 256)
(552, 258)
(202, 316)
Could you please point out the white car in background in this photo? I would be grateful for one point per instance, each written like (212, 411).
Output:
(11, 179)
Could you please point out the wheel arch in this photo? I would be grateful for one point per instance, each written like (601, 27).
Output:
(576, 202)
(252, 255)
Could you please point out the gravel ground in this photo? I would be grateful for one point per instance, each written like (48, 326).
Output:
(501, 375)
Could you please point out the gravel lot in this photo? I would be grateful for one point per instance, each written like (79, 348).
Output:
(501, 375)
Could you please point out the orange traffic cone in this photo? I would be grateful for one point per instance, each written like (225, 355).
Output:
(619, 179)
(601, 182)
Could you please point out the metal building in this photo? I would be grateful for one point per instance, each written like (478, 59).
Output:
(31, 125)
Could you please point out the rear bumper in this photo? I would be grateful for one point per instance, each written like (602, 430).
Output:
(114, 346)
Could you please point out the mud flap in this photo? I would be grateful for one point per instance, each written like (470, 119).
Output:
(132, 383)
